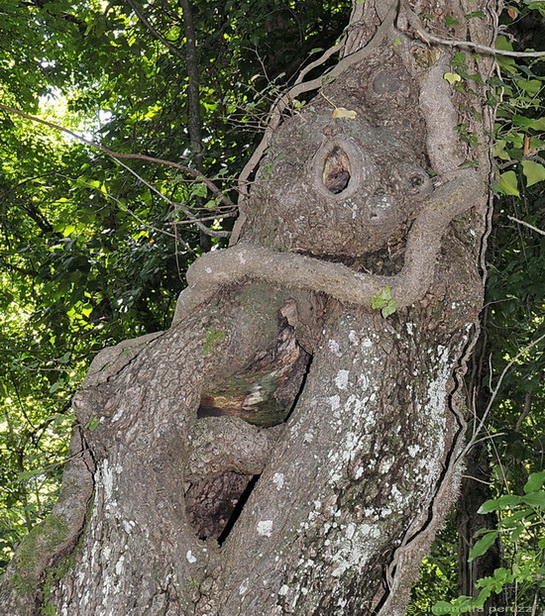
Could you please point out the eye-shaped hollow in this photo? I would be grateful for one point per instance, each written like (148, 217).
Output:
(339, 169)
(415, 181)
(336, 173)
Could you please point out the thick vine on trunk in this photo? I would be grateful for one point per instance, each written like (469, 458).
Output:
(290, 445)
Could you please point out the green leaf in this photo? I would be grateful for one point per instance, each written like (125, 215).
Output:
(56, 386)
(534, 172)
(482, 546)
(382, 298)
(507, 500)
(530, 86)
(535, 482)
(508, 184)
(452, 78)
(93, 424)
(538, 124)
(519, 120)
(502, 42)
(535, 499)
(499, 150)
(389, 309)
(26, 475)
(199, 190)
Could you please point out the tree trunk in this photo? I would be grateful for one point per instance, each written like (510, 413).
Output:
(291, 444)
(475, 490)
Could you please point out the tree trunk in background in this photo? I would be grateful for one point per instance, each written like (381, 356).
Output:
(291, 444)
(475, 490)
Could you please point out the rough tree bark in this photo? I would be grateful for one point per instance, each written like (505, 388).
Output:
(284, 448)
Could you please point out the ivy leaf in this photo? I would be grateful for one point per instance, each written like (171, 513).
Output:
(534, 172)
(538, 124)
(519, 120)
(389, 309)
(384, 302)
(508, 184)
(382, 298)
(452, 78)
(530, 86)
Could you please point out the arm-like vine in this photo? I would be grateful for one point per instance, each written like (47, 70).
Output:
(246, 261)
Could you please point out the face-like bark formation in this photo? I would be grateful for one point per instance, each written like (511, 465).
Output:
(283, 448)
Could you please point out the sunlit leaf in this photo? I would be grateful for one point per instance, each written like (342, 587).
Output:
(508, 184)
(534, 172)
(341, 112)
(452, 78)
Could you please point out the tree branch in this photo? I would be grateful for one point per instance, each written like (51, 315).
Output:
(526, 224)
(159, 161)
(427, 37)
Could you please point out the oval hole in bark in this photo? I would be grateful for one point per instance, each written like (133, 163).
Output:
(336, 173)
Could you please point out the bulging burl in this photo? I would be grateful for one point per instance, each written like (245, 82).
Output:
(337, 187)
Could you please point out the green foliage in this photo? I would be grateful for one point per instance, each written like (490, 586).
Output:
(514, 321)
(522, 531)
(384, 302)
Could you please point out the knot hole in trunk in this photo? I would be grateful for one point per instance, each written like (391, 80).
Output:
(336, 173)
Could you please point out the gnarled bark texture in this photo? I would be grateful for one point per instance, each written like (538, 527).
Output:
(284, 448)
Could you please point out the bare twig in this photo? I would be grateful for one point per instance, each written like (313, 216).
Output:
(131, 213)
(184, 209)
(188, 222)
(483, 418)
(428, 37)
(526, 224)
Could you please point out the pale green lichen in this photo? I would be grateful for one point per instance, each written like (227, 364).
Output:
(212, 338)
